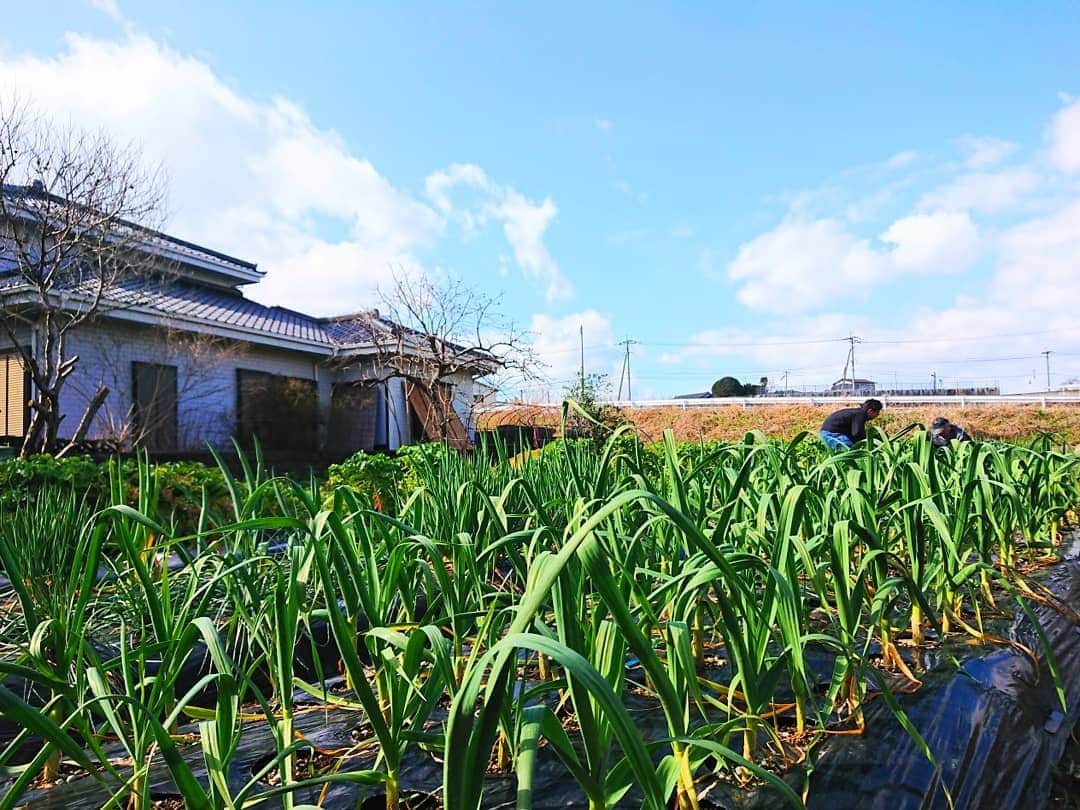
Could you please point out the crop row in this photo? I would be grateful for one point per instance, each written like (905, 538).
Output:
(500, 613)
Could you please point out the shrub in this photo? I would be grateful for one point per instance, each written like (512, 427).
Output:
(376, 475)
(22, 479)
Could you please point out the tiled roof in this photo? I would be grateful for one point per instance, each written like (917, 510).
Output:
(349, 330)
(36, 200)
(184, 300)
(227, 308)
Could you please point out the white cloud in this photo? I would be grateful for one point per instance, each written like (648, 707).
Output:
(901, 160)
(557, 342)
(990, 192)
(603, 124)
(800, 265)
(1038, 267)
(524, 222)
(944, 241)
(1020, 300)
(257, 178)
(984, 152)
(246, 177)
(1064, 136)
(111, 8)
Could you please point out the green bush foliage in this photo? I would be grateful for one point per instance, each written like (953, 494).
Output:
(180, 485)
(376, 475)
(22, 479)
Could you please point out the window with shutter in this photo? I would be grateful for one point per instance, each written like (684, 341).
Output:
(14, 395)
(281, 412)
(154, 392)
(353, 410)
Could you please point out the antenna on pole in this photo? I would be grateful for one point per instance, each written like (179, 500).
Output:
(626, 369)
(850, 361)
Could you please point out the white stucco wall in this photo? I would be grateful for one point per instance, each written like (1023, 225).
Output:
(206, 408)
(464, 391)
(207, 387)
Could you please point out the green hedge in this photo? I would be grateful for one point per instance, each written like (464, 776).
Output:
(180, 484)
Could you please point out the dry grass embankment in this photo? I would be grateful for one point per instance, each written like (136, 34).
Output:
(731, 423)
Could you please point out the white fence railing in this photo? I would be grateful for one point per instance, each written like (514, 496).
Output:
(1041, 400)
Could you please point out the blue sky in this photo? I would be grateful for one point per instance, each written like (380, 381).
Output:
(737, 189)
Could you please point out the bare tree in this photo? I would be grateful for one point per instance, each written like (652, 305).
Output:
(69, 248)
(431, 332)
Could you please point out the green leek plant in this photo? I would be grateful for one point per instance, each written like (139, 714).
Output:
(51, 553)
(360, 570)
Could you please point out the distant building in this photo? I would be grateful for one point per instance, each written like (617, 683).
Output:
(858, 387)
(295, 381)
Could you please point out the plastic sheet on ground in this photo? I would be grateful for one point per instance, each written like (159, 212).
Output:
(993, 723)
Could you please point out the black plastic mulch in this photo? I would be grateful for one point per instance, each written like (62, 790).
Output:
(990, 716)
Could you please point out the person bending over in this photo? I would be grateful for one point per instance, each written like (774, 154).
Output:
(942, 432)
(846, 426)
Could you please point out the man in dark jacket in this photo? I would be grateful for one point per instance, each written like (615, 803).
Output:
(843, 428)
(942, 431)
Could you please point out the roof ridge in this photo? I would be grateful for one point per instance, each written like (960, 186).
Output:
(31, 191)
(351, 316)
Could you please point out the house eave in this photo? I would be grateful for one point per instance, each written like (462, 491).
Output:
(150, 316)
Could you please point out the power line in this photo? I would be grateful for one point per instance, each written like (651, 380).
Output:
(952, 338)
(743, 345)
(817, 341)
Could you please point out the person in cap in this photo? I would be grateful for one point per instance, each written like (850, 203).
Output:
(846, 426)
(942, 431)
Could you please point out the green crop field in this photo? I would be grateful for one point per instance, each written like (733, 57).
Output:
(496, 611)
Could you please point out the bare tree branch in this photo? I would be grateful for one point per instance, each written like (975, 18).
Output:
(433, 332)
(68, 245)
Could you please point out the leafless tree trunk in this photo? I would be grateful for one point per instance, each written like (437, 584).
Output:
(91, 411)
(68, 245)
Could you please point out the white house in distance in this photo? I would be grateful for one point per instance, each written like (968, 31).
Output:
(858, 387)
(189, 360)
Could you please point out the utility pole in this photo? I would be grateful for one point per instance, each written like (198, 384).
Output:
(1047, 354)
(626, 370)
(785, 383)
(933, 376)
(850, 361)
(581, 333)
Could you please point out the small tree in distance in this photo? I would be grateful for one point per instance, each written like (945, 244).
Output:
(727, 387)
(601, 420)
